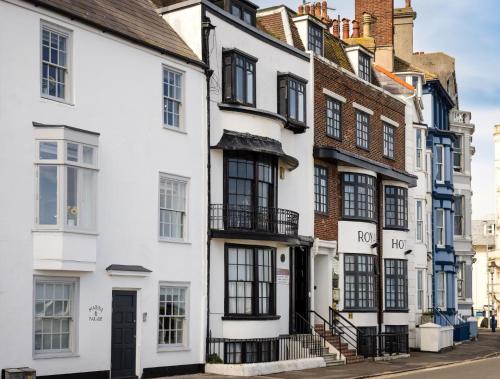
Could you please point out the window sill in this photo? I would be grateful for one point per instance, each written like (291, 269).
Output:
(348, 310)
(66, 231)
(390, 158)
(57, 100)
(250, 318)
(173, 240)
(295, 126)
(396, 310)
(55, 355)
(346, 218)
(174, 129)
(322, 214)
(334, 138)
(363, 148)
(396, 228)
(167, 348)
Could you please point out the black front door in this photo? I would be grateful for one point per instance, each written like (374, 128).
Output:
(299, 287)
(123, 330)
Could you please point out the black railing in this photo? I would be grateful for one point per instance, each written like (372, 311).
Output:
(348, 332)
(243, 218)
(331, 332)
(258, 350)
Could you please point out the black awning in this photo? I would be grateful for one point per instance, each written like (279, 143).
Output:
(248, 142)
(338, 155)
(130, 268)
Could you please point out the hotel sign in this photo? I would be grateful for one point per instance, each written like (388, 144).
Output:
(357, 237)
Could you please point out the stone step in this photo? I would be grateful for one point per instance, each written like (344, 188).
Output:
(355, 359)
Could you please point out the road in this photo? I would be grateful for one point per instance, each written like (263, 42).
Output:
(484, 369)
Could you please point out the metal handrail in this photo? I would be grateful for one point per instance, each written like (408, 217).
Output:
(333, 329)
(311, 329)
(439, 312)
(348, 335)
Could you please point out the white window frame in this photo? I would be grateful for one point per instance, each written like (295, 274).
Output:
(185, 344)
(441, 290)
(419, 221)
(181, 128)
(461, 279)
(420, 290)
(461, 152)
(62, 163)
(419, 149)
(186, 182)
(68, 95)
(440, 213)
(73, 328)
(440, 166)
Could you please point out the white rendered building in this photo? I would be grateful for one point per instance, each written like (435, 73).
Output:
(102, 137)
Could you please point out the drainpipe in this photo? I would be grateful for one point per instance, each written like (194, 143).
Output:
(207, 27)
(380, 247)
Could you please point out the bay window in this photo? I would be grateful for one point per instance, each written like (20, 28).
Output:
(66, 174)
(457, 153)
(54, 317)
(396, 207)
(458, 216)
(292, 99)
(358, 194)
(239, 81)
(396, 284)
(359, 282)
(250, 281)
(461, 280)
(440, 228)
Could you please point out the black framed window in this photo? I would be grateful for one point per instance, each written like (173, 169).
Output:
(362, 129)
(250, 280)
(251, 351)
(396, 285)
(315, 40)
(364, 67)
(239, 82)
(359, 282)
(358, 196)
(333, 118)
(367, 345)
(292, 98)
(397, 344)
(389, 140)
(243, 12)
(320, 189)
(458, 216)
(396, 207)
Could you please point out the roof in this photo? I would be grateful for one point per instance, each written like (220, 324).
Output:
(334, 50)
(135, 20)
(400, 65)
(393, 77)
(479, 238)
(270, 21)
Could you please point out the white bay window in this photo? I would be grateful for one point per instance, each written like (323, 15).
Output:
(66, 175)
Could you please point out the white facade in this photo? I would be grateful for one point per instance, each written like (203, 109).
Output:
(116, 91)
(233, 37)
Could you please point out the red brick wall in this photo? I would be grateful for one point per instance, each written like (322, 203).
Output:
(381, 104)
(383, 24)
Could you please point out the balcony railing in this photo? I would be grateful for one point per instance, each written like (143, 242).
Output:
(460, 117)
(242, 218)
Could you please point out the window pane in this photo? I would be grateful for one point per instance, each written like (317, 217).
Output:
(72, 196)
(48, 150)
(88, 155)
(72, 152)
(87, 198)
(47, 193)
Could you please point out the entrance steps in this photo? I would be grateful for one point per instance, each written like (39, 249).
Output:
(351, 355)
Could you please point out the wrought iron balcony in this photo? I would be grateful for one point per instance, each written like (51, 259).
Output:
(241, 220)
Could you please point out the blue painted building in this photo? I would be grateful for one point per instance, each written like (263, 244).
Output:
(440, 141)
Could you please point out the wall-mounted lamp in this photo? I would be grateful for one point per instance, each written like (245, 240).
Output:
(408, 252)
(374, 245)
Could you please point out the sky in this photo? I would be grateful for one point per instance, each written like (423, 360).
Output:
(468, 30)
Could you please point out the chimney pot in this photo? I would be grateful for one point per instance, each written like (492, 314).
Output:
(355, 29)
(336, 28)
(301, 10)
(318, 10)
(408, 3)
(324, 11)
(367, 20)
(308, 9)
(345, 28)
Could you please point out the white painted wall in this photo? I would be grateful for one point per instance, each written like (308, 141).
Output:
(118, 93)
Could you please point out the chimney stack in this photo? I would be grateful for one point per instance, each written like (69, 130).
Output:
(355, 29)
(367, 20)
(345, 28)
(336, 28)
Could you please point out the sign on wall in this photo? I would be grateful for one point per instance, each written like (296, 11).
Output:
(95, 313)
(395, 243)
(283, 276)
(357, 237)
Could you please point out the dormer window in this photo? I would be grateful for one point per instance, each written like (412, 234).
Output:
(364, 67)
(242, 9)
(315, 42)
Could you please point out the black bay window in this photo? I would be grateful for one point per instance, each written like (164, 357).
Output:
(239, 80)
(292, 100)
(358, 196)
(396, 284)
(250, 190)
(250, 281)
(359, 282)
(396, 207)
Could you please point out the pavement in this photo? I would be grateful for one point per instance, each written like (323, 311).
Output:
(471, 354)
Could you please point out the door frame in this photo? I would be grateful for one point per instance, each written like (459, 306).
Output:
(292, 294)
(138, 330)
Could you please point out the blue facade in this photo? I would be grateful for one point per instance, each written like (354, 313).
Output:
(440, 142)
